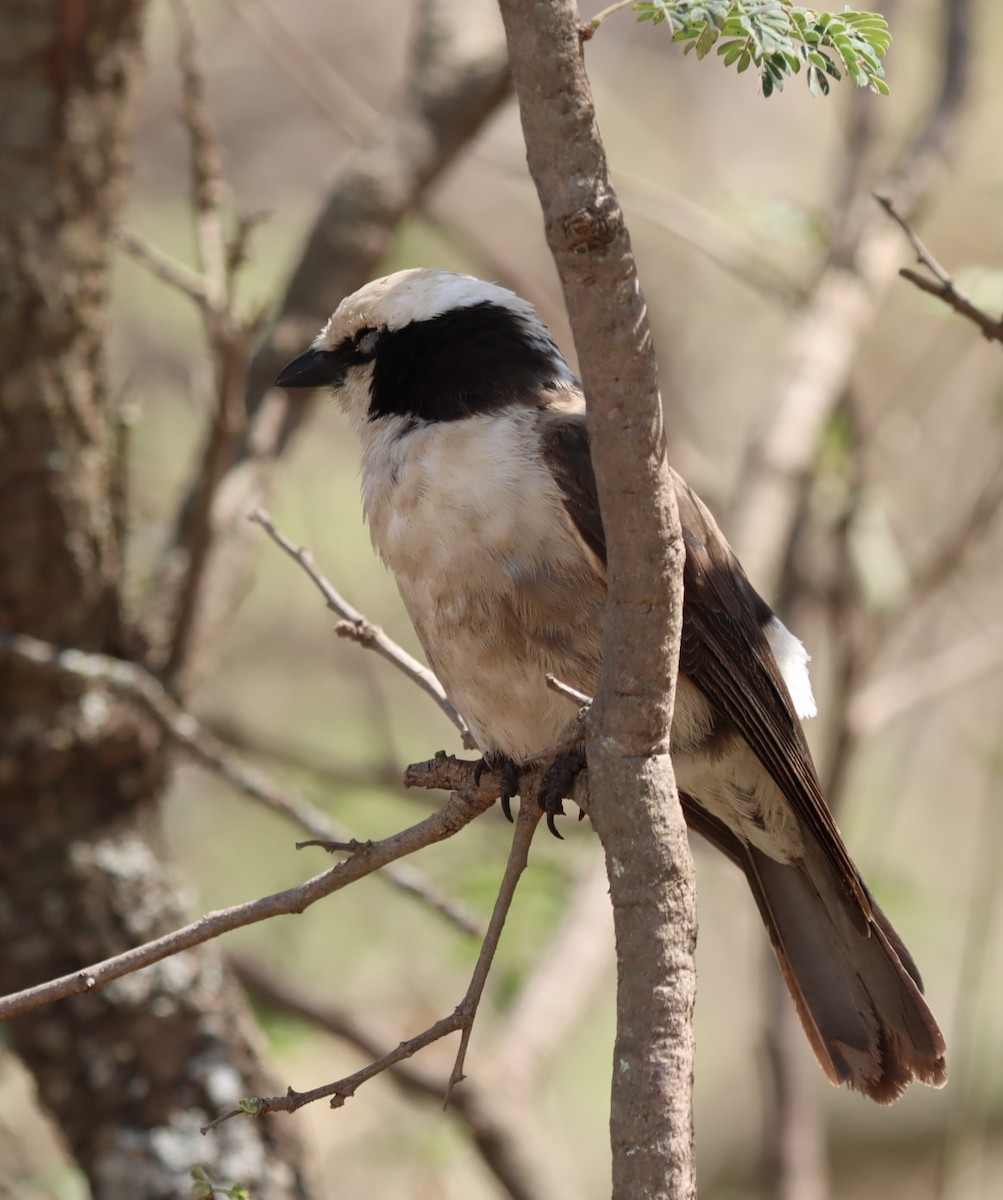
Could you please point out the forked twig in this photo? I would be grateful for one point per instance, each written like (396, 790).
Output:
(942, 285)
(460, 1019)
(459, 810)
(166, 268)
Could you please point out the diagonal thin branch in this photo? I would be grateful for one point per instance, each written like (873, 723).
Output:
(461, 1019)
(169, 270)
(491, 1112)
(355, 626)
(942, 285)
(564, 980)
(330, 93)
(365, 858)
(134, 681)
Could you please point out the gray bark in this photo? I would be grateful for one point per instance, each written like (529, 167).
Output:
(634, 806)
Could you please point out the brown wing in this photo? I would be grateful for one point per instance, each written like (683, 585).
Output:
(724, 651)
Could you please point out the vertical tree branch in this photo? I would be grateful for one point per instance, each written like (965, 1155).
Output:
(634, 807)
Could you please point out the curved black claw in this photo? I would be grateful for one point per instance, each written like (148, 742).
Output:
(510, 775)
(557, 783)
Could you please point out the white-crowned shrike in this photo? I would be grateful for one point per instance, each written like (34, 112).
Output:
(478, 489)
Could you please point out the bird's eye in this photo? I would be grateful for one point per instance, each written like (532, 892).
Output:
(365, 342)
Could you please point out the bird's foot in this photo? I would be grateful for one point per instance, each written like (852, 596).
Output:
(558, 783)
(509, 772)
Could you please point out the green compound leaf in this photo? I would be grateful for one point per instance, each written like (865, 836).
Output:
(777, 37)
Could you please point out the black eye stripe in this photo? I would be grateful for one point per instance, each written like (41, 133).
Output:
(361, 347)
(475, 359)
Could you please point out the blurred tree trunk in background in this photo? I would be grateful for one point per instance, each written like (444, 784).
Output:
(128, 1074)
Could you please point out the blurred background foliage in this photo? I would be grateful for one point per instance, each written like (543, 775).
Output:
(717, 185)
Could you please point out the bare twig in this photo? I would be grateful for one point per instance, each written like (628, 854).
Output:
(923, 255)
(171, 271)
(355, 626)
(569, 693)
(992, 329)
(460, 1020)
(488, 1108)
(590, 28)
(206, 168)
(134, 681)
(942, 285)
(459, 810)
(333, 97)
(525, 828)
(564, 980)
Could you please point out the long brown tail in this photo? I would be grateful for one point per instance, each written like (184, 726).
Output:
(858, 994)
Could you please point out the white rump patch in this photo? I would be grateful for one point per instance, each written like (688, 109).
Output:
(792, 659)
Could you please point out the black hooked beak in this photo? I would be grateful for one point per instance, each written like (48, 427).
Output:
(313, 368)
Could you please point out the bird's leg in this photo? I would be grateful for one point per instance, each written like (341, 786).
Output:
(509, 772)
(558, 783)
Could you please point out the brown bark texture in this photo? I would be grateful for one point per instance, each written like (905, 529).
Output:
(128, 1074)
(634, 806)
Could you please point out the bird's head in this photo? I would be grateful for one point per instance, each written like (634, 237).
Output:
(429, 345)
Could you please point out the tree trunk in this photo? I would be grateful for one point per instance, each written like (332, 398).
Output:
(128, 1074)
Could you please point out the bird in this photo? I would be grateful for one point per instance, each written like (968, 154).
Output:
(479, 493)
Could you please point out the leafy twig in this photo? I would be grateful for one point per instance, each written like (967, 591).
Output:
(775, 36)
